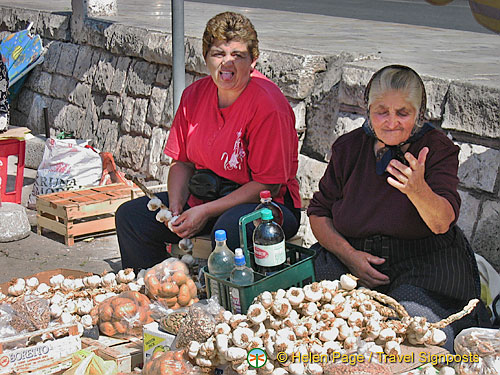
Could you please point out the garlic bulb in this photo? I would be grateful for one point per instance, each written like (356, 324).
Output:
(125, 276)
(295, 296)
(172, 221)
(186, 245)
(134, 287)
(109, 279)
(84, 306)
(86, 321)
(92, 282)
(234, 354)
(438, 337)
(16, 288)
(58, 298)
(79, 284)
(154, 204)
(32, 282)
(102, 297)
(313, 292)
(446, 370)
(387, 334)
(266, 299)
(70, 307)
(188, 259)
(256, 313)
(193, 349)
(42, 288)
(68, 285)
(164, 215)
(80, 328)
(56, 280)
(392, 348)
(347, 282)
(296, 368)
(55, 310)
(66, 318)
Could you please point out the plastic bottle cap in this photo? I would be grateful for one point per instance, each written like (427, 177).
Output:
(220, 235)
(265, 194)
(239, 258)
(267, 214)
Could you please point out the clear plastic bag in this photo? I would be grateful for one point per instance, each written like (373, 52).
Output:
(6, 314)
(124, 314)
(199, 323)
(481, 346)
(31, 313)
(169, 283)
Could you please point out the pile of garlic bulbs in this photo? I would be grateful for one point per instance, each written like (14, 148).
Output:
(74, 300)
(321, 318)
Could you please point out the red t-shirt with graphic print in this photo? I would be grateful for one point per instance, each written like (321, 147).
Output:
(253, 139)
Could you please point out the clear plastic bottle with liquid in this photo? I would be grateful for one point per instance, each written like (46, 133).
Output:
(269, 245)
(220, 264)
(266, 201)
(241, 275)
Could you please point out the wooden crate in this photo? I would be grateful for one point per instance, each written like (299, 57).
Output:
(126, 352)
(81, 212)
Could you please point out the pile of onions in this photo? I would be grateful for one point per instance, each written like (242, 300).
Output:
(124, 313)
(169, 283)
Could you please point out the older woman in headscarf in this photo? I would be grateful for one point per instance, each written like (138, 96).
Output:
(387, 205)
(232, 137)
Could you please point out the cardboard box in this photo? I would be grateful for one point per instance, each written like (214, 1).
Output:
(126, 352)
(44, 358)
(413, 357)
(153, 340)
(45, 276)
(202, 247)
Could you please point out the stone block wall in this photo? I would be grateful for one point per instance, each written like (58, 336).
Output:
(112, 84)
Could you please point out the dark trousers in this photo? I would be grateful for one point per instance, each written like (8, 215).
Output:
(143, 240)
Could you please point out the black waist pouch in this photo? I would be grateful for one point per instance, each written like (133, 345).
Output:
(206, 185)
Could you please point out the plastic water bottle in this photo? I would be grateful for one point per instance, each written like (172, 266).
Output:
(269, 245)
(220, 264)
(241, 275)
(266, 201)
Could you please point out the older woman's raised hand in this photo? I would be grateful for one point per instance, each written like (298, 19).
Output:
(409, 179)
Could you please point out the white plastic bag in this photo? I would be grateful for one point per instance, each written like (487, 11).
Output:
(66, 165)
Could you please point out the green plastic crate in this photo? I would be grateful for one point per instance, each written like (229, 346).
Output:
(298, 271)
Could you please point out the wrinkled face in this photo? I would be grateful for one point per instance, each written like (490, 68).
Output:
(392, 117)
(230, 64)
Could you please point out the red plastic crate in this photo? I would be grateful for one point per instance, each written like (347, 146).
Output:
(12, 147)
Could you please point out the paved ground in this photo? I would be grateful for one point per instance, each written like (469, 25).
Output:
(449, 54)
(39, 253)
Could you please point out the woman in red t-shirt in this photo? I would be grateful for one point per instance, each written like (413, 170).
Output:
(388, 203)
(235, 123)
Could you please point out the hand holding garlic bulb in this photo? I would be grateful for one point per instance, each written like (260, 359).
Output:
(166, 216)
